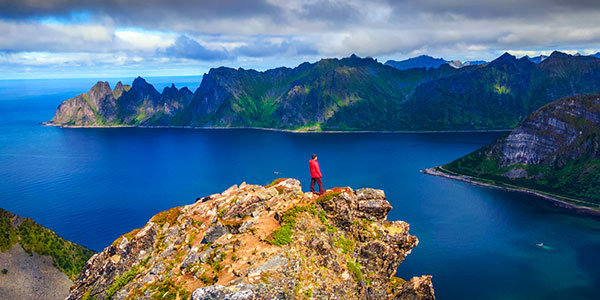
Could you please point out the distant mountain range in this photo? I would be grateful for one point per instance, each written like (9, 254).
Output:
(352, 93)
(428, 62)
(555, 151)
(423, 61)
(537, 59)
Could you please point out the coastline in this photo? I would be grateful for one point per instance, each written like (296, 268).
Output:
(276, 129)
(555, 199)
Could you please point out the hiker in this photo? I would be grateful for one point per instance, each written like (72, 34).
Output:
(315, 174)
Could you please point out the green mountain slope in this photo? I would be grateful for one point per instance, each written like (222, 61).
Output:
(556, 150)
(345, 94)
(68, 257)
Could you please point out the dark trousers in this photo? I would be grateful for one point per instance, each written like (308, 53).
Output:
(312, 184)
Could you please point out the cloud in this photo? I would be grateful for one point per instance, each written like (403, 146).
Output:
(266, 32)
(135, 10)
(185, 47)
(263, 47)
(31, 36)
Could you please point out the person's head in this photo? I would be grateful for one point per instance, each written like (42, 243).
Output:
(314, 156)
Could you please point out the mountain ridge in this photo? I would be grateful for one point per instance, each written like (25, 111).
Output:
(348, 94)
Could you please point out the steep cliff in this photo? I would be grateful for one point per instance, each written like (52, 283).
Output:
(36, 263)
(555, 150)
(261, 242)
(138, 104)
(352, 93)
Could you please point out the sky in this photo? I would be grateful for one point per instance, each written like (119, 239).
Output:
(116, 38)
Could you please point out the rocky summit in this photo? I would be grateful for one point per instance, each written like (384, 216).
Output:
(261, 242)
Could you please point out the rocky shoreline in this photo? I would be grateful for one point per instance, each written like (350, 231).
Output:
(272, 129)
(439, 171)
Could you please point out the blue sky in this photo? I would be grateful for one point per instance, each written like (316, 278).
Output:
(116, 38)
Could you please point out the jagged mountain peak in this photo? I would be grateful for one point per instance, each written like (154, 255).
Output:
(505, 57)
(140, 83)
(557, 53)
(141, 87)
(102, 85)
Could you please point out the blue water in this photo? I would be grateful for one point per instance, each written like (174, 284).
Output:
(92, 185)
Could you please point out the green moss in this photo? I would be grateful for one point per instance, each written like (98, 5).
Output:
(327, 197)
(208, 280)
(354, 269)
(121, 281)
(346, 245)
(87, 296)
(283, 235)
(396, 282)
(323, 219)
(308, 293)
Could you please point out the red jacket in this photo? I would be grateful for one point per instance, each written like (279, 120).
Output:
(315, 171)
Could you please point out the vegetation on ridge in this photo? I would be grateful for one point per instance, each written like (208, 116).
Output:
(571, 171)
(68, 257)
(347, 94)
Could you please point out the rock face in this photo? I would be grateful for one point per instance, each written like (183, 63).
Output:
(31, 276)
(555, 150)
(540, 138)
(35, 263)
(352, 93)
(261, 242)
(138, 104)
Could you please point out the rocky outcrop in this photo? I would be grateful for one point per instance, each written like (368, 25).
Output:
(138, 104)
(555, 151)
(261, 242)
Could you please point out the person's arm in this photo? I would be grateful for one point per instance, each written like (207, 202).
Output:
(318, 169)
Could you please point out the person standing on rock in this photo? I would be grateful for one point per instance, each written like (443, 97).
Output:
(315, 174)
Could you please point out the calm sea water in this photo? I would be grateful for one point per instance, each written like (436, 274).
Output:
(92, 185)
